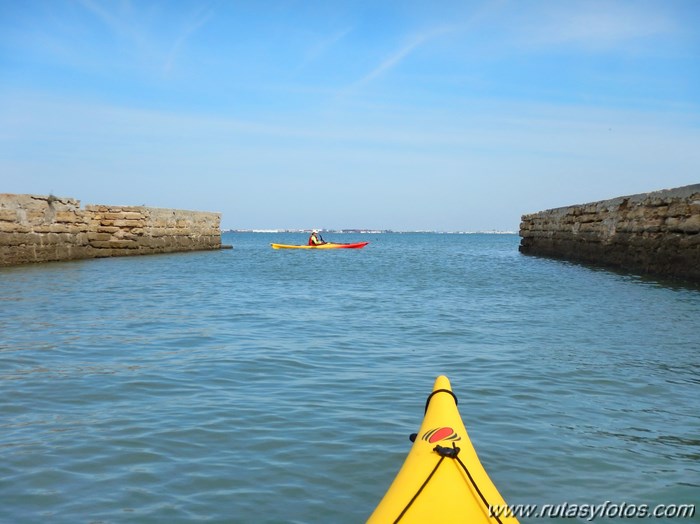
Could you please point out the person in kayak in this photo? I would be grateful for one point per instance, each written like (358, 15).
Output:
(315, 239)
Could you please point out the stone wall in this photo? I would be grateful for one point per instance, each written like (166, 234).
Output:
(37, 228)
(654, 233)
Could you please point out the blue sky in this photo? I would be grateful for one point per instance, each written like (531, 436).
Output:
(450, 116)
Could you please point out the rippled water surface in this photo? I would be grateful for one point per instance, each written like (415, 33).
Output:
(252, 385)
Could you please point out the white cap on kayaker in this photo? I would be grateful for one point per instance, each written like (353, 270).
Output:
(315, 231)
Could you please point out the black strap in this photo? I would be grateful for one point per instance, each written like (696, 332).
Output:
(471, 479)
(452, 453)
(427, 402)
(419, 490)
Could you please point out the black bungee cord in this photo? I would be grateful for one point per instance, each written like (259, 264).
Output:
(452, 453)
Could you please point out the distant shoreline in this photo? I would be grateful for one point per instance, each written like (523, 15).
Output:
(370, 231)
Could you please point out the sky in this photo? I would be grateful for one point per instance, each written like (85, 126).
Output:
(405, 115)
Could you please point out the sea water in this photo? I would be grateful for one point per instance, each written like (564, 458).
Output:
(254, 385)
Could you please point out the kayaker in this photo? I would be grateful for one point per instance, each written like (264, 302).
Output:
(315, 239)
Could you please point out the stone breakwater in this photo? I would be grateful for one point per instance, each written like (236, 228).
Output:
(46, 228)
(652, 233)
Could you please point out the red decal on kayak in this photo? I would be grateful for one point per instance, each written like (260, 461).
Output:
(438, 434)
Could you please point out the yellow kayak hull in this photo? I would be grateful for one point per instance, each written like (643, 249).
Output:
(435, 486)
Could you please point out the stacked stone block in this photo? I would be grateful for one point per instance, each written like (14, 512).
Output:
(654, 233)
(46, 228)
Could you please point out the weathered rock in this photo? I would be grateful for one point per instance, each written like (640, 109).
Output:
(654, 233)
(37, 228)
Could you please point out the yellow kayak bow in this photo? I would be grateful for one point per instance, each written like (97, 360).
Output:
(442, 479)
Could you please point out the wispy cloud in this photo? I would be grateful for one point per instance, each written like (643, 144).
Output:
(198, 21)
(325, 44)
(116, 19)
(463, 24)
(398, 56)
(120, 20)
(144, 31)
(103, 14)
(593, 25)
